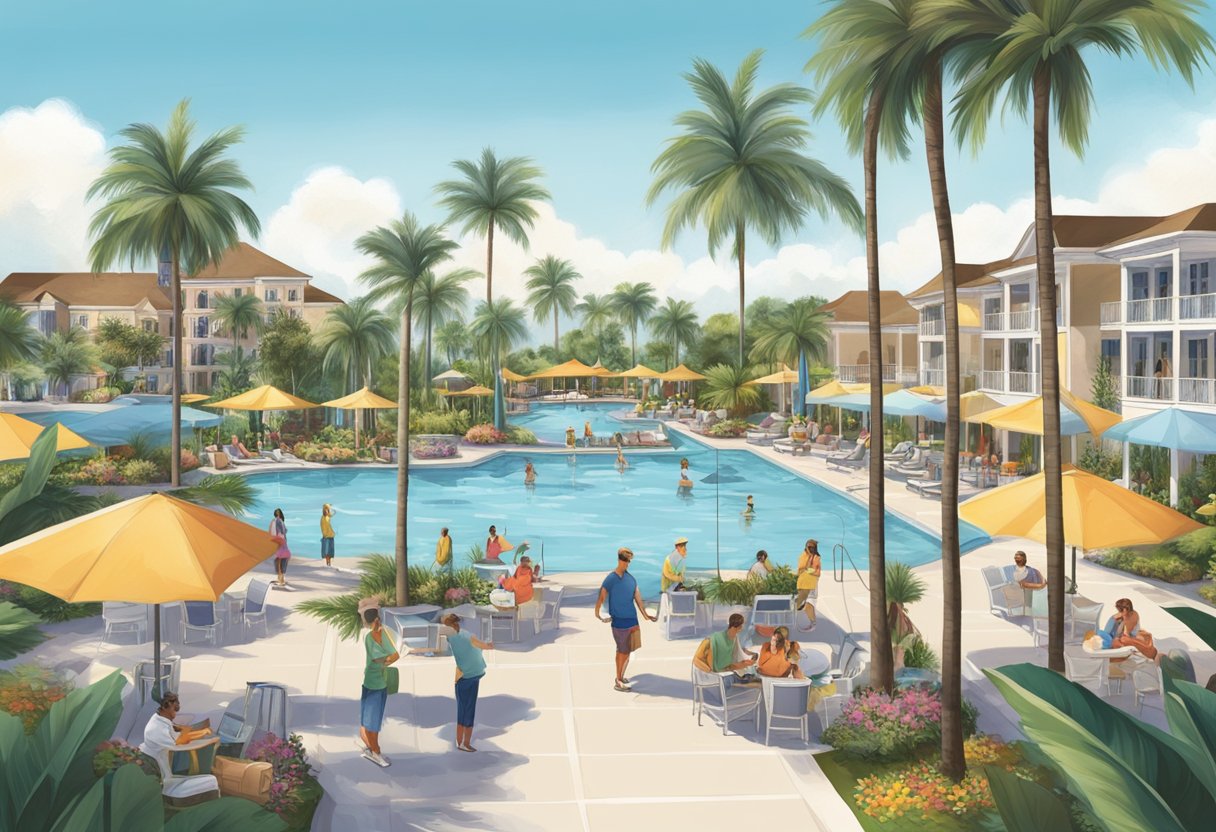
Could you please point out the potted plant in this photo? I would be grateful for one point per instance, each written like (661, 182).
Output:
(798, 430)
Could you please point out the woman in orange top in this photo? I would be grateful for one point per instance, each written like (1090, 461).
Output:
(521, 582)
(779, 657)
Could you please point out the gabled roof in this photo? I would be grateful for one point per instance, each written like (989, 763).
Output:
(1093, 232)
(966, 276)
(1199, 218)
(85, 288)
(852, 307)
(244, 262)
(314, 295)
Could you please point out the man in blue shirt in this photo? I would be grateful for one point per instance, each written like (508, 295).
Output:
(620, 590)
(470, 667)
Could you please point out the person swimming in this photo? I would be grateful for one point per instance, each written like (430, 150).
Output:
(621, 462)
(588, 434)
(529, 474)
(750, 510)
(570, 436)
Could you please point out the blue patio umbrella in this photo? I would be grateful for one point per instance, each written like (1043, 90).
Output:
(117, 425)
(804, 385)
(903, 403)
(1173, 427)
(851, 401)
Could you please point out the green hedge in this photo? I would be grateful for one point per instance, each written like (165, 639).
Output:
(1162, 565)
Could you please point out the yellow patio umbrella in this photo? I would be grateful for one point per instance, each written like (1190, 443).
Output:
(681, 373)
(929, 390)
(782, 377)
(570, 369)
(477, 390)
(265, 397)
(17, 435)
(508, 375)
(1027, 417)
(154, 549)
(639, 371)
(1098, 514)
(194, 398)
(359, 401)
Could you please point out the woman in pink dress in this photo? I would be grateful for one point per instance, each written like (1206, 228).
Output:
(493, 546)
(278, 530)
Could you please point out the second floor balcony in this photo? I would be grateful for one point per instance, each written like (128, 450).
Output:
(933, 327)
(860, 373)
(1023, 382)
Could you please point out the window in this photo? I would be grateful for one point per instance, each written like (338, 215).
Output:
(1197, 358)
(1163, 283)
(236, 293)
(992, 306)
(1111, 350)
(293, 295)
(272, 296)
(1139, 287)
(202, 327)
(81, 321)
(1199, 278)
(202, 299)
(150, 325)
(168, 358)
(295, 313)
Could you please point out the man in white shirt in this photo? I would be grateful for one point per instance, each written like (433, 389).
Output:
(160, 734)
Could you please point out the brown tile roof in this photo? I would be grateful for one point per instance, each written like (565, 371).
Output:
(314, 295)
(966, 276)
(1199, 218)
(245, 262)
(1073, 231)
(851, 307)
(86, 288)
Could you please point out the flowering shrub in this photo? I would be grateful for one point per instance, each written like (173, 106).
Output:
(730, 428)
(113, 754)
(312, 452)
(291, 770)
(879, 726)
(190, 461)
(455, 596)
(921, 789)
(485, 435)
(99, 472)
(27, 691)
(139, 472)
(433, 447)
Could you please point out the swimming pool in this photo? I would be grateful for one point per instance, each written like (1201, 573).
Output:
(550, 419)
(582, 508)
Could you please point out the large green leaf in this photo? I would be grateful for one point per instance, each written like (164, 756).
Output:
(1112, 790)
(1025, 806)
(1163, 761)
(18, 630)
(1191, 711)
(37, 471)
(135, 804)
(225, 815)
(17, 776)
(1198, 622)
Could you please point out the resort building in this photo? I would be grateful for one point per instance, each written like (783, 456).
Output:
(57, 301)
(849, 345)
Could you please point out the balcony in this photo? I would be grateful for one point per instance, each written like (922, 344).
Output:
(994, 322)
(993, 380)
(933, 377)
(1021, 320)
(1111, 313)
(1022, 382)
(1196, 307)
(860, 373)
(1147, 387)
(1150, 310)
(933, 326)
(1197, 390)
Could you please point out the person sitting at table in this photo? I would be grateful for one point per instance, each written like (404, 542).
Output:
(722, 651)
(779, 656)
(1124, 629)
(521, 582)
(761, 567)
(1027, 577)
(162, 736)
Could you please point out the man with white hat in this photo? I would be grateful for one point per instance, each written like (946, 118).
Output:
(673, 567)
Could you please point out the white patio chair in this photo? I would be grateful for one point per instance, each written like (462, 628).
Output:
(146, 678)
(1039, 631)
(254, 608)
(119, 616)
(1085, 617)
(1146, 681)
(785, 701)
(850, 662)
(186, 790)
(1004, 597)
(831, 707)
(551, 614)
(744, 700)
(680, 605)
(1085, 670)
(773, 611)
(199, 616)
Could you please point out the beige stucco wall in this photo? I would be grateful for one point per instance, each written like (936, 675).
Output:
(1090, 286)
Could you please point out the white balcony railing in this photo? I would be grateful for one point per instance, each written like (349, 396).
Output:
(933, 377)
(994, 321)
(933, 326)
(993, 380)
(1195, 307)
(1197, 390)
(1020, 320)
(1150, 310)
(1112, 313)
(1020, 382)
(1148, 387)
(861, 373)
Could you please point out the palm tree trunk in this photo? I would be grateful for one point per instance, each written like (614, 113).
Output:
(490, 263)
(882, 672)
(430, 322)
(953, 764)
(1049, 369)
(175, 434)
(556, 354)
(739, 252)
(403, 454)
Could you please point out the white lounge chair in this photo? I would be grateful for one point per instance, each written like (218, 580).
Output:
(199, 616)
(831, 707)
(739, 701)
(784, 700)
(1085, 669)
(121, 617)
(854, 459)
(677, 605)
(899, 453)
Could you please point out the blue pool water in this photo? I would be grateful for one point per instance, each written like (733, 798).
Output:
(550, 420)
(582, 508)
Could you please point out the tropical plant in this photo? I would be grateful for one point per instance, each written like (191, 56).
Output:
(904, 588)
(633, 304)
(730, 592)
(165, 199)
(494, 193)
(288, 356)
(405, 251)
(453, 338)
(65, 355)
(739, 164)
(551, 290)
(353, 337)
(1104, 389)
(229, 492)
(436, 301)
(236, 372)
(18, 630)
(676, 321)
(19, 341)
(798, 330)
(596, 312)
(880, 726)
(1031, 51)
(238, 314)
(497, 326)
(726, 387)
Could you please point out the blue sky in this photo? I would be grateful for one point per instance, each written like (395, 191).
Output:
(399, 89)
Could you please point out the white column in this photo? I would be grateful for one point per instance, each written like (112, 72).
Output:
(1176, 347)
(1127, 465)
(1174, 465)
(899, 354)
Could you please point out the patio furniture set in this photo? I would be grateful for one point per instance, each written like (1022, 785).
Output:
(421, 629)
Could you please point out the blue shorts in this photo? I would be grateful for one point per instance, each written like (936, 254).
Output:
(371, 709)
(466, 700)
(327, 547)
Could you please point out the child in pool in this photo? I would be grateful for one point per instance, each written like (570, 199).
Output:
(529, 474)
(750, 511)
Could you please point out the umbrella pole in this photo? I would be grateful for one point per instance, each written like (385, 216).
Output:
(358, 418)
(1072, 589)
(156, 653)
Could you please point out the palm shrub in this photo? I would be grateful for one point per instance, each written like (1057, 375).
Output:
(781, 581)
(734, 592)
(904, 588)
(920, 654)
(726, 387)
(230, 492)
(18, 630)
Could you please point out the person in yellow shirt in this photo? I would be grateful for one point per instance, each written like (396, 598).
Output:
(443, 550)
(810, 567)
(673, 567)
(327, 534)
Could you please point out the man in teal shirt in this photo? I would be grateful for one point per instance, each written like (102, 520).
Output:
(470, 667)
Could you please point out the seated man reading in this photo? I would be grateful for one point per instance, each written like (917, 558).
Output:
(161, 736)
(1027, 577)
(722, 651)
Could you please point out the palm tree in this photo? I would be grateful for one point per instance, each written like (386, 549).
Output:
(353, 337)
(240, 314)
(237, 373)
(18, 340)
(67, 354)
(438, 300)
(405, 252)
(726, 386)
(164, 197)
(551, 290)
(799, 329)
(633, 303)
(494, 193)
(595, 312)
(676, 321)
(1031, 51)
(739, 165)
(453, 338)
(498, 326)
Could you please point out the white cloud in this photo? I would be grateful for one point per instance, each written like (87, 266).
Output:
(49, 155)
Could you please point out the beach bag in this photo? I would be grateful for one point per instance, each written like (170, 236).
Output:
(392, 676)
(635, 638)
(243, 778)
